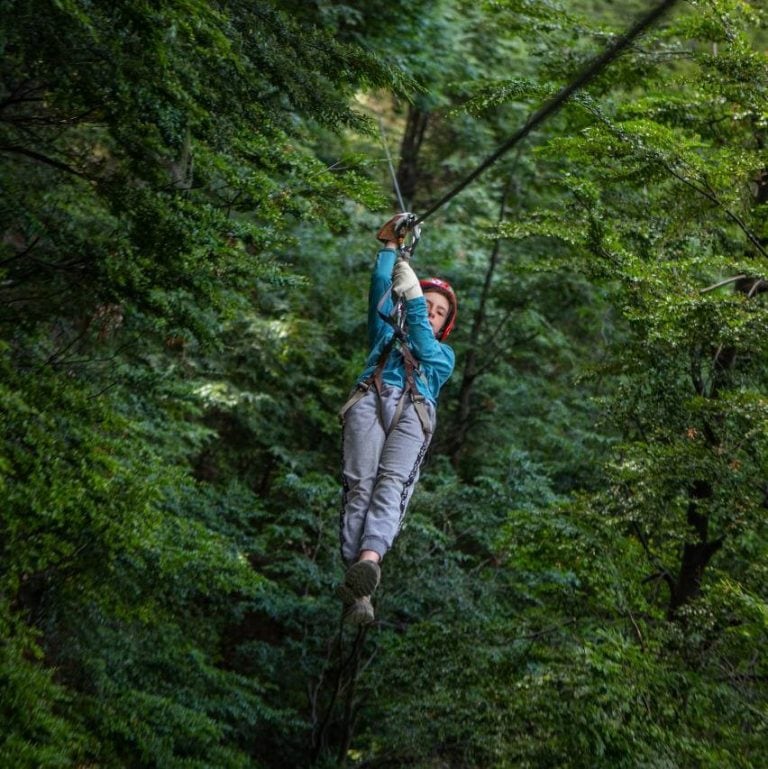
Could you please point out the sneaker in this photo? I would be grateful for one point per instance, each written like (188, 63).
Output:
(359, 612)
(361, 579)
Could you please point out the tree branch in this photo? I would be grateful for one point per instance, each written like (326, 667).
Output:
(15, 149)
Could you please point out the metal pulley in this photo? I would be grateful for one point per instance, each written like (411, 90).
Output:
(410, 232)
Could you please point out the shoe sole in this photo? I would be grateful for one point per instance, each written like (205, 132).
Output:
(357, 614)
(361, 579)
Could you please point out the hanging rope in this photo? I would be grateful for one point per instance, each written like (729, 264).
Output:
(391, 166)
(549, 108)
(342, 694)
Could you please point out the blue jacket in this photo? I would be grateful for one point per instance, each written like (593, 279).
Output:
(436, 360)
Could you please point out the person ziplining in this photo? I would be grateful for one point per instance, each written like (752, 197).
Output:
(390, 417)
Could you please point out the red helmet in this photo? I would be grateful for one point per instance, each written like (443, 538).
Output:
(444, 288)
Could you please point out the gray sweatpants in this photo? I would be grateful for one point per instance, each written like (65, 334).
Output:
(380, 470)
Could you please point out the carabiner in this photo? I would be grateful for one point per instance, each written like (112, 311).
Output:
(409, 226)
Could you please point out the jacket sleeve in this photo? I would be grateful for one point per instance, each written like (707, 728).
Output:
(381, 282)
(422, 340)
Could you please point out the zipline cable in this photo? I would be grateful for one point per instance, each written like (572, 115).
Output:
(391, 165)
(550, 107)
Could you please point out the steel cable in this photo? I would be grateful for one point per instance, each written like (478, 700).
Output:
(550, 107)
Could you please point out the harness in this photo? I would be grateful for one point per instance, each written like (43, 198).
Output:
(410, 390)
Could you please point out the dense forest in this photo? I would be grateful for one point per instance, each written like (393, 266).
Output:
(190, 193)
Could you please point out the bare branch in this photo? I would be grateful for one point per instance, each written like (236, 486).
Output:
(722, 283)
(43, 159)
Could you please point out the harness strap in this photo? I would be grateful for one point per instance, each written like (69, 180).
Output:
(418, 400)
(357, 395)
(375, 381)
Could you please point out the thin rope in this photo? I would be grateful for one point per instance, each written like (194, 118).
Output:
(391, 166)
(550, 107)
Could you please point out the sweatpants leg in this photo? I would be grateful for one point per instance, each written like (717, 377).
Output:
(401, 458)
(380, 471)
(362, 443)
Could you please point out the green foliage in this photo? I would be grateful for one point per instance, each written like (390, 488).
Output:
(35, 734)
(142, 213)
(115, 578)
(189, 196)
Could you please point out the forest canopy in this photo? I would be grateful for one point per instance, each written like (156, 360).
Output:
(189, 196)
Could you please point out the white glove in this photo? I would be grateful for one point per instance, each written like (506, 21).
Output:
(404, 281)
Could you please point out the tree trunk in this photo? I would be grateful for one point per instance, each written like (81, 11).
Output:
(696, 555)
(408, 168)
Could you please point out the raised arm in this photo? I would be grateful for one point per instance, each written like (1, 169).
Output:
(390, 235)
(381, 283)
(421, 335)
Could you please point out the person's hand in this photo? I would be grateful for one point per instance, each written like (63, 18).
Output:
(394, 230)
(405, 283)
